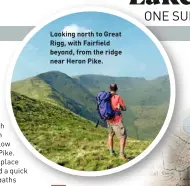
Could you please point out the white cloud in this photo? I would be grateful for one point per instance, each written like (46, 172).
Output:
(74, 29)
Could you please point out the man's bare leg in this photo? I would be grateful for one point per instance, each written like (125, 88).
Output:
(122, 147)
(110, 143)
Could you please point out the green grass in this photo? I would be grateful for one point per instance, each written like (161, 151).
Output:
(66, 138)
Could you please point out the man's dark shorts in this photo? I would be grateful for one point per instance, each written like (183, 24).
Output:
(117, 129)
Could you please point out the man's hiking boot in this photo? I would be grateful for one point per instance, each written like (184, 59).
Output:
(123, 157)
(112, 153)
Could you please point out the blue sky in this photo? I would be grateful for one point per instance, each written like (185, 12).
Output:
(140, 57)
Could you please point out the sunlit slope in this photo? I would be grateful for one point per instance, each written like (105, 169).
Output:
(66, 138)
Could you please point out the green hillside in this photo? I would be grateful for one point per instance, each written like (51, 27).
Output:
(150, 97)
(66, 138)
(148, 120)
(137, 91)
(59, 88)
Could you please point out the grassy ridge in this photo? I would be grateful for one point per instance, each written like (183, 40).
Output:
(147, 100)
(66, 138)
(40, 87)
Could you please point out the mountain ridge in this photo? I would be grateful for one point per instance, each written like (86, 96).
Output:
(82, 75)
(78, 95)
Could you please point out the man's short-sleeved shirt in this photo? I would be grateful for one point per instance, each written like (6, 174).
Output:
(116, 103)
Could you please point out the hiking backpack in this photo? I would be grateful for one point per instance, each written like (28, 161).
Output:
(104, 106)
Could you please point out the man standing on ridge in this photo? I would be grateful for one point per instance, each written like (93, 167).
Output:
(115, 125)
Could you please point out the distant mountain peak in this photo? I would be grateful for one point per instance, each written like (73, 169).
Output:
(50, 76)
(52, 73)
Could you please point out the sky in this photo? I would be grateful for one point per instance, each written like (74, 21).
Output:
(140, 56)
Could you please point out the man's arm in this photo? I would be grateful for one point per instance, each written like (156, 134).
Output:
(122, 104)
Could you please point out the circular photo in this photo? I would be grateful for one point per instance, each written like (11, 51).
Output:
(91, 91)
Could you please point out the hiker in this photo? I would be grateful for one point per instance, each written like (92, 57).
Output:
(115, 124)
